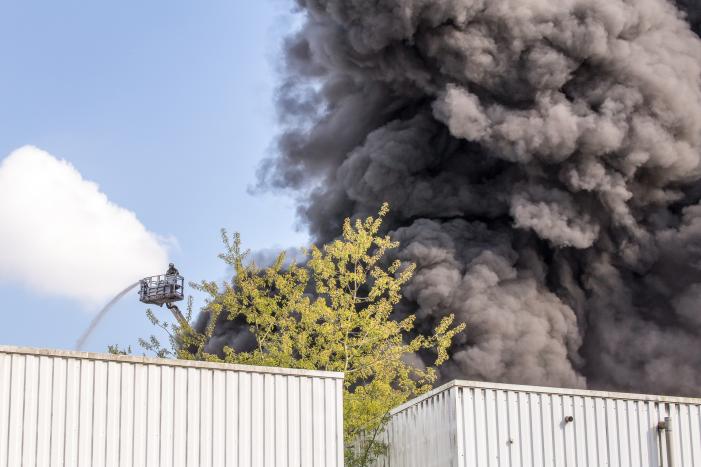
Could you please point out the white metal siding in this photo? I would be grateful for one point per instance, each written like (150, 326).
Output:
(77, 409)
(423, 435)
(465, 424)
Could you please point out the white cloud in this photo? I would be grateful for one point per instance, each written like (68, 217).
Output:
(60, 235)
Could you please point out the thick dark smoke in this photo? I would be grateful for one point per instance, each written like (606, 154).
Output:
(542, 162)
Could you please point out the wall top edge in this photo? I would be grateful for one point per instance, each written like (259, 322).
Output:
(546, 390)
(56, 353)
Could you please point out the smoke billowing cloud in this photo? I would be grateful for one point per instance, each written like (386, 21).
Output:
(542, 162)
(60, 235)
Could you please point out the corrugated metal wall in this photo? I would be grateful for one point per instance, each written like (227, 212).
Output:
(73, 409)
(423, 434)
(473, 424)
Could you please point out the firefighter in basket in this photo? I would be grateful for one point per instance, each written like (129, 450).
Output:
(172, 270)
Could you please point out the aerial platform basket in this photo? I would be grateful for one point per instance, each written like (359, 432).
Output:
(158, 290)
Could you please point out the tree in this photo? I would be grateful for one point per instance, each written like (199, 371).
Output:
(333, 313)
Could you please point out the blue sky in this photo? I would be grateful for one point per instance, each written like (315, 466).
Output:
(168, 107)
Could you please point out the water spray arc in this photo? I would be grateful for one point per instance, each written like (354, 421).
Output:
(93, 324)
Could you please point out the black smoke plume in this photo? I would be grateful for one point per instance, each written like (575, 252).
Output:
(542, 162)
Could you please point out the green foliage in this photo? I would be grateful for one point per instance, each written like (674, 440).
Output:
(180, 335)
(116, 350)
(333, 313)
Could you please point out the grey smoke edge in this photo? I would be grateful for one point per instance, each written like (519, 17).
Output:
(542, 162)
(692, 12)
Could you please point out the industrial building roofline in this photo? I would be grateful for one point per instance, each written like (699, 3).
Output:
(8, 349)
(546, 390)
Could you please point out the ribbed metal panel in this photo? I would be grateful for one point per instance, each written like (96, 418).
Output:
(405, 436)
(77, 409)
(472, 424)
